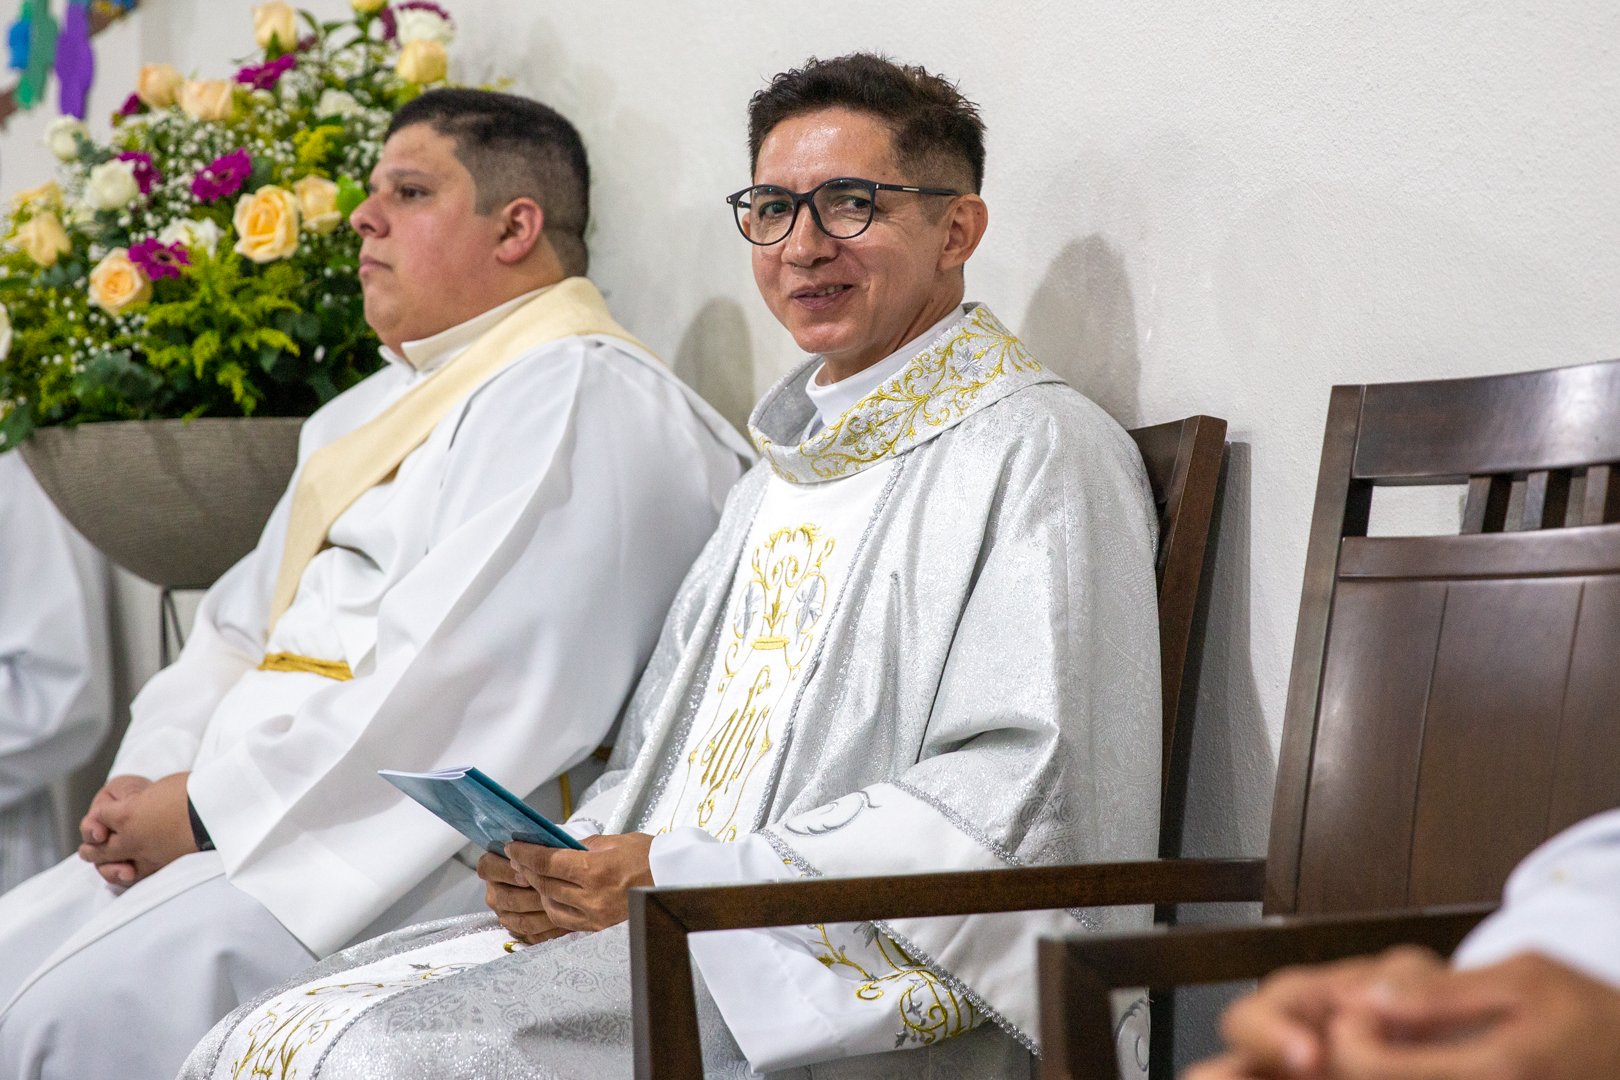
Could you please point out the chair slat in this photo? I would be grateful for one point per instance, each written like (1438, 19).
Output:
(1602, 504)
(1546, 499)
(1487, 505)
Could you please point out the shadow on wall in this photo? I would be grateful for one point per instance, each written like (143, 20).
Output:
(1081, 323)
(1233, 764)
(716, 358)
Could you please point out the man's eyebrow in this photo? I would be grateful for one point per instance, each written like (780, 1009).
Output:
(397, 174)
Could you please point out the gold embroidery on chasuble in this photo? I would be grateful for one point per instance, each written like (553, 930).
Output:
(287, 1036)
(941, 385)
(291, 1030)
(928, 1010)
(770, 632)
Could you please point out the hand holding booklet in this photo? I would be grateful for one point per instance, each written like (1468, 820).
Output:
(480, 809)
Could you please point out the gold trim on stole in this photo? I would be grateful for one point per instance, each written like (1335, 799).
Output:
(338, 670)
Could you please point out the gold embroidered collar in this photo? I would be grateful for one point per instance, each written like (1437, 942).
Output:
(973, 363)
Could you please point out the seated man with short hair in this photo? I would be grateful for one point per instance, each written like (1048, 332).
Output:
(1534, 991)
(471, 566)
(924, 637)
(55, 668)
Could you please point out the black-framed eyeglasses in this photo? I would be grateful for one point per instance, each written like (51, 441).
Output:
(841, 207)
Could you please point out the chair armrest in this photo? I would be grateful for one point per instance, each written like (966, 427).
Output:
(665, 1011)
(1078, 971)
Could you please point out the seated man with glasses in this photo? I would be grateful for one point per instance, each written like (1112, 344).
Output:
(923, 638)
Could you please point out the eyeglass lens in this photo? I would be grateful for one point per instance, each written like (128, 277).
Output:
(843, 209)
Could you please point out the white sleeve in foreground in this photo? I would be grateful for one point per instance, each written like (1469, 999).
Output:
(795, 995)
(1563, 902)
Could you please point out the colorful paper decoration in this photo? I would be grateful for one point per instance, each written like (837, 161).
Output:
(38, 45)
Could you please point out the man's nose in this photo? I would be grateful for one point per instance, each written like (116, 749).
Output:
(365, 220)
(805, 243)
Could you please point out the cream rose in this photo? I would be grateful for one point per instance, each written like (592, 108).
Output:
(62, 137)
(5, 332)
(157, 85)
(47, 196)
(43, 239)
(267, 224)
(416, 24)
(116, 284)
(112, 185)
(317, 204)
(275, 26)
(206, 99)
(423, 62)
(369, 7)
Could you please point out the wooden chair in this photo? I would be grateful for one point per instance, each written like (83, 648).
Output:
(1183, 462)
(1454, 699)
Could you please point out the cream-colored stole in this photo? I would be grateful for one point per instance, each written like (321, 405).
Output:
(339, 473)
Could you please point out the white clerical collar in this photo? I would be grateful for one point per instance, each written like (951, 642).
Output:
(432, 353)
(834, 399)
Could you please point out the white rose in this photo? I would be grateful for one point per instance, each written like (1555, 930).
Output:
(5, 332)
(112, 185)
(192, 234)
(62, 137)
(337, 103)
(415, 24)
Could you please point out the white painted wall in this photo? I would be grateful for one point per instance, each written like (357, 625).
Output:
(1194, 208)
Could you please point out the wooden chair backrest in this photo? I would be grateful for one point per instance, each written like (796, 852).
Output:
(1183, 460)
(1454, 700)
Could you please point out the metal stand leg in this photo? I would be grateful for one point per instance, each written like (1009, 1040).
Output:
(171, 635)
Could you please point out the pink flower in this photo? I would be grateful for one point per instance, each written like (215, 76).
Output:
(146, 174)
(390, 26)
(265, 76)
(223, 176)
(132, 106)
(159, 260)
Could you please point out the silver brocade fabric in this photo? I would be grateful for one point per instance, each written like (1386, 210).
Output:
(995, 655)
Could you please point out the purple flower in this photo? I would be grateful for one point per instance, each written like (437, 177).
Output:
(133, 105)
(223, 176)
(146, 173)
(390, 26)
(159, 260)
(265, 76)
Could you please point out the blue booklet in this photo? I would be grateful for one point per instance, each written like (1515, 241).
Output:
(480, 809)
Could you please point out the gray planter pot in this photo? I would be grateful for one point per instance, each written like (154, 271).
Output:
(172, 501)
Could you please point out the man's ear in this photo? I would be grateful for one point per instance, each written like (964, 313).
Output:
(965, 223)
(522, 223)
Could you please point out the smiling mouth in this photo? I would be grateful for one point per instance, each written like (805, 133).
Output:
(821, 297)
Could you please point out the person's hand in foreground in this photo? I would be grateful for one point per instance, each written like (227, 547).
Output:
(586, 890)
(136, 826)
(1407, 1016)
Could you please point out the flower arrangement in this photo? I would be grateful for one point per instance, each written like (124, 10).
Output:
(197, 263)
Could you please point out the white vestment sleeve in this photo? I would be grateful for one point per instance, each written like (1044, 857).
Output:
(1562, 902)
(54, 687)
(171, 712)
(793, 995)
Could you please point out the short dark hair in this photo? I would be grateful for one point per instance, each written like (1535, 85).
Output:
(513, 147)
(932, 123)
